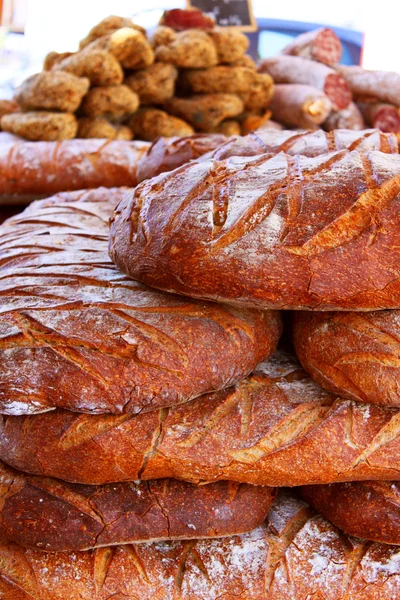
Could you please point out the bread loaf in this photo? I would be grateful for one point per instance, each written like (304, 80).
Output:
(76, 333)
(30, 170)
(352, 354)
(367, 509)
(297, 555)
(269, 232)
(166, 154)
(51, 515)
(275, 428)
(307, 143)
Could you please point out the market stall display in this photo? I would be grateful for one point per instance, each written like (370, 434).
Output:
(144, 432)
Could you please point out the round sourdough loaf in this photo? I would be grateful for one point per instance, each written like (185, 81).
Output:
(296, 555)
(352, 354)
(367, 509)
(269, 232)
(52, 515)
(276, 428)
(76, 333)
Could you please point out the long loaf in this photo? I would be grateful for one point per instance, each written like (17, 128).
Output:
(296, 555)
(275, 428)
(49, 514)
(31, 170)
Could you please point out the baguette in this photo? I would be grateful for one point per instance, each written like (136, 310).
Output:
(275, 428)
(367, 509)
(32, 510)
(31, 170)
(354, 355)
(269, 231)
(296, 555)
(76, 333)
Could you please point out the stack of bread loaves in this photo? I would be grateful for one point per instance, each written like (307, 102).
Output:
(119, 403)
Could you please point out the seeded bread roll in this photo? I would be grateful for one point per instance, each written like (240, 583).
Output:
(269, 231)
(78, 334)
(296, 555)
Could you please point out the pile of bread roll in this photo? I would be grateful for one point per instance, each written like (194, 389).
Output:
(157, 438)
(189, 76)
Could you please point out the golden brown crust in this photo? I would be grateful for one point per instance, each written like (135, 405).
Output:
(129, 46)
(52, 58)
(98, 127)
(231, 44)
(296, 555)
(98, 65)
(205, 111)
(351, 354)
(155, 84)
(367, 509)
(166, 154)
(41, 126)
(8, 107)
(73, 165)
(293, 232)
(52, 90)
(32, 510)
(191, 49)
(107, 26)
(113, 102)
(162, 36)
(110, 344)
(151, 123)
(307, 143)
(276, 428)
(229, 127)
(260, 93)
(220, 79)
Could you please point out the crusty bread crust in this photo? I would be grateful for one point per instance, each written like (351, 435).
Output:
(367, 509)
(269, 231)
(77, 334)
(276, 428)
(351, 354)
(297, 555)
(48, 514)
